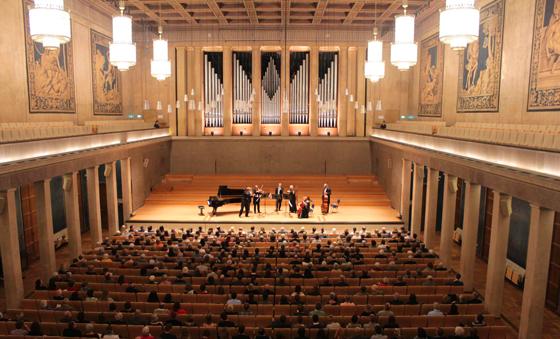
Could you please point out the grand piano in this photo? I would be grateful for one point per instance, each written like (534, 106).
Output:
(225, 195)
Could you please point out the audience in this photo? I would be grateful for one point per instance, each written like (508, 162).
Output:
(215, 261)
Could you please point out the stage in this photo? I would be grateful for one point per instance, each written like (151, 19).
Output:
(175, 201)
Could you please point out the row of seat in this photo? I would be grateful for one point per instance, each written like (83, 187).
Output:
(110, 126)
(25, 131)
(546, 137)
(343, 290)
(518, 127)
(54, 331)
(540, 139)
(35, 124)
(13, 134)
(33, 307)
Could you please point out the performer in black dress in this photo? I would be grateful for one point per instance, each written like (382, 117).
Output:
(278, 195)
(257, 194)
(245, 202)
(292, 198)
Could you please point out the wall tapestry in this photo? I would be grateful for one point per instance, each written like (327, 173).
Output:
(50, 75)
(431, 77)
(544, 77)
(106, 79)
(480, 63)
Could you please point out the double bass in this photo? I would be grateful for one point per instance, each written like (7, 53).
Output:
(325, 204)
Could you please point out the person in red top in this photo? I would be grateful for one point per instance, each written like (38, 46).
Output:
(178, 309)
(145, 333)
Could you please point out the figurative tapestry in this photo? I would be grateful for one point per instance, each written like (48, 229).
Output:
(50, 75)
(480, 63)
(544, 78)
(106, 79)
(431, 77)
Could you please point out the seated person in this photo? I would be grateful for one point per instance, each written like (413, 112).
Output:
(224, 321)
(281, 322)
(479, 320)
(241, 333)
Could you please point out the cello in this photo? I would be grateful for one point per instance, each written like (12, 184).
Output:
(304, 208)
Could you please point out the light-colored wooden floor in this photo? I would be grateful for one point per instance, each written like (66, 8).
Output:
(176, 199)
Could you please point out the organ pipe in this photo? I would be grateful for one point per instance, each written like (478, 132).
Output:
(242, 105)
(270, 93)
(299, 88)
(213, 91)
(328, 89)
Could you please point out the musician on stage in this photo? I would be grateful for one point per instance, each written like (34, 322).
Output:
(257, 194)
(292, 199)
(326, 199)
(246, 202)
(278, 195)
(304, 208)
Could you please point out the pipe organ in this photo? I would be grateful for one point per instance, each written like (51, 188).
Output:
(213, 89)
(243, 92)
(299, 88)
(270, 88)
(327, 92)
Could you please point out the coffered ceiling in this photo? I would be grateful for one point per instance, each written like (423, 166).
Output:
(331, 14)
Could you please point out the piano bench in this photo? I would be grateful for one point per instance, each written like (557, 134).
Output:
(201, 208)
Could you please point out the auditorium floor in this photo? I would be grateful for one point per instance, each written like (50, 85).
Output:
(512, 297)
(33, 272)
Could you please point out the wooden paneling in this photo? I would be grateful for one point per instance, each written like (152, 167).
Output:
(30, 225)
(553, 286)
(487, 231)
(459, 203)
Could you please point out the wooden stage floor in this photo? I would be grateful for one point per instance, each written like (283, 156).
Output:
(176, 201)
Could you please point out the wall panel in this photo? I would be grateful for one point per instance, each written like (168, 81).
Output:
(270, 156)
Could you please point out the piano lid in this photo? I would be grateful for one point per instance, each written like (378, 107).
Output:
(224, 190)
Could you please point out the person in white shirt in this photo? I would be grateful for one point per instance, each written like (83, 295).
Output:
(233, 300)
(435, 311)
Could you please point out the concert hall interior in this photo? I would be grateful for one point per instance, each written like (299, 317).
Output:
(297, 169)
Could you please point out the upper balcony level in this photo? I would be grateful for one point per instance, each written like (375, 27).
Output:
(533, 149)
(21, 142)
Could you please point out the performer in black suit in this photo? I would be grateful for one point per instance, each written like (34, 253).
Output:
(245, 202)
(278, 195)
(292, 198)
(257, 194)
(326, 199)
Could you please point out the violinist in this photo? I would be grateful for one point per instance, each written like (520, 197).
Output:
(257, 194)
(246, 202)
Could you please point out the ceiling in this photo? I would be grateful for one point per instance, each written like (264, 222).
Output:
(192, 14)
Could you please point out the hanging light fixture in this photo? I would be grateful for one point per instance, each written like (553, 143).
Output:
(49, 23)
(404, 51)
(122, 51)
(458, 23)
(375, 66)
(160, 64)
